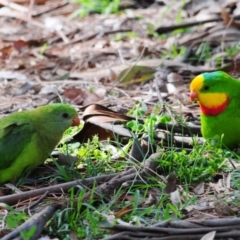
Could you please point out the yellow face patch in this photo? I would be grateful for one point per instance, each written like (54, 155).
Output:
(212, 100)
(197, 83)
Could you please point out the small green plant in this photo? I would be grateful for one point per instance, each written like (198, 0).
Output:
(200, 164)
(43, 48)
(203, 52)
(231, 51)
(121, 36)
(174, 52)
(14, 219)
(102, 7)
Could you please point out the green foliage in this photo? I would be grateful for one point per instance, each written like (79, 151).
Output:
(174, 52)
(203, 52)
(14, 219)
(121, 36)
(102, 7)
(28, 234)
(200, 164)
(231, 51)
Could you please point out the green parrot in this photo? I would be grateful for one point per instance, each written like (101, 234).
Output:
(27, 138)
(218, 95)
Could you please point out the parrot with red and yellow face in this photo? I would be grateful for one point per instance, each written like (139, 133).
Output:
(218, 95)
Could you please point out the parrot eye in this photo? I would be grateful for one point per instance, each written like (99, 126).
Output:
(206, 88)
(65, 115)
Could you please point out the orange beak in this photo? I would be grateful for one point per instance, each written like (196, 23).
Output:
(75, 121)
(193, 96)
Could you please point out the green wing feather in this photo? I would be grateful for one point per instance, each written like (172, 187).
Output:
(14, 137)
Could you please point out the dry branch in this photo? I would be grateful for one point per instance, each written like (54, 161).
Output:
(182, 229)
(59, 188)
(38, 220)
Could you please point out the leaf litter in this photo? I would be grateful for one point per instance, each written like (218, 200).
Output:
(97, 62)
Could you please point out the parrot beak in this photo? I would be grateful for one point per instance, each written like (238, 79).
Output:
(75, 121)
(193, 96)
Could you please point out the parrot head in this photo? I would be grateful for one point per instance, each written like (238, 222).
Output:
(210, 91)
(57, 117)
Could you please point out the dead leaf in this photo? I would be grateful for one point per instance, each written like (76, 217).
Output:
(175, 197)
(100, 110)
(229, 21)
(91, 97)
(101, 121)
(171, 183)
(222, 209)
(6, 52)
(209, 236)
(135, 74)
(76, 95)
(151, 200)
(199, 189)
(123, 211)
(20, 45)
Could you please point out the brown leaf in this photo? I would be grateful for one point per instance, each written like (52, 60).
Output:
(89, 130)
(222, 209)
(6, 52)
(91, 97)
(123, 211)
(20, 45)
(100, 121)
(171, 183)
(99, 110)
(229, 21)
(77, 95)
(135, 74)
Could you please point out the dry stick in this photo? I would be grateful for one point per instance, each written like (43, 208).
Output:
(178, 128)
(172, 231)
(14, 6)
(59, 188)
(166, 29)
(51, 8)
(225, 228)
(39, 220)
(33, 205)
(142, 235)
(93, 35)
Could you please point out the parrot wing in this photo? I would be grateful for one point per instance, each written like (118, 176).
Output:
(14, 137)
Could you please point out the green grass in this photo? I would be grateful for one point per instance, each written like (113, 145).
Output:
(95, 6)
(199, 165)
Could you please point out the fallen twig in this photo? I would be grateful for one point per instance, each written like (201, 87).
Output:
(182, 229)
(59, 188)
(38, 220)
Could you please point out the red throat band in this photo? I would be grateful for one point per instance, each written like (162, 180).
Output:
(213, 111)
